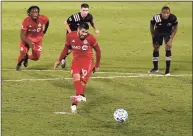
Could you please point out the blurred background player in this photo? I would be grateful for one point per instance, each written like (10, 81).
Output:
(163, 26)
(33, 28)
(81, 43)
(72, 23)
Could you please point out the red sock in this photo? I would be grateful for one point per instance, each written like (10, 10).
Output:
(78, 87)
(19, 59)
(83, 88)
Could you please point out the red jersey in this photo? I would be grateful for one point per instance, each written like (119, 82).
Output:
(34, 29)
(80, 48)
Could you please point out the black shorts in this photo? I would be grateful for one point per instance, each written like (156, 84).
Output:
(158, 38)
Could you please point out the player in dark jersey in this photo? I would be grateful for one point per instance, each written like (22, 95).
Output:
(163, 26)
(33, 28)
(72, 23)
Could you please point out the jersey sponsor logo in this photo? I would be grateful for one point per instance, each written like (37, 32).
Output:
(157, 18)
(169, 24)
(76, 17)
(84, 47)
(34, 30)
(76, 47)
(39, 25)
(85, 41)
(70, 19)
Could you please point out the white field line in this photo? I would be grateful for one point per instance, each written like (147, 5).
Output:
(61, 112)
(39, 70)
(98, 77)
(100, 72)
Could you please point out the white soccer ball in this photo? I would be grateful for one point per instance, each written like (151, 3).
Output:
(120, 115)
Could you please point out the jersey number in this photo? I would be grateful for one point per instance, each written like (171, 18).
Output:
(39, 48)
(84, 73)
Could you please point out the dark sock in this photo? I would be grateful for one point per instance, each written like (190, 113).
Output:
(74, 104)
(168, 60)
(26, 56)
(155, 59)
(168, 66)
(82, 95)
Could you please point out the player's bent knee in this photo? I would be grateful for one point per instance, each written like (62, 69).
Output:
(36, 59)
(76, 77)
(168, 48)
(156, 47)
(83, 83)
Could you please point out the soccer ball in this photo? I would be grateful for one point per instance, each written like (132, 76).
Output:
(120, 115)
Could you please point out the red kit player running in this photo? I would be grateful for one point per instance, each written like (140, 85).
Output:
(81, 43)
(33, 28)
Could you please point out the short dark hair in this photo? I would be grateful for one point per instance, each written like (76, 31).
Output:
(30, 8)
(84, 5)
(166, 7)
(83, 26)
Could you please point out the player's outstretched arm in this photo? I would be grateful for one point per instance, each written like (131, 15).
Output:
(152, 25)
(174, 31)
(67, 27)
(98, 57)
(23, 38)
(69, 21)
(46, 27)
(94, 27)
(63, 53)
(152, 30)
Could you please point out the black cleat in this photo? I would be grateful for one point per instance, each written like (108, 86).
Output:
(63, 63)
(18, 67)
(167, 73)
(25, 63)
(153, 70)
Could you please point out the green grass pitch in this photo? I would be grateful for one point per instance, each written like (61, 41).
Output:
(157, 106)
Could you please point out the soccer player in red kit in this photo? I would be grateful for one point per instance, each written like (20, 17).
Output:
(33, 28)
(81, 43)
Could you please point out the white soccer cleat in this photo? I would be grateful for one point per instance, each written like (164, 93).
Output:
(168, 74)
(73, 109)
(78, 98)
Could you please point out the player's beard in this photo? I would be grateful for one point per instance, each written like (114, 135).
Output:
(82, 37)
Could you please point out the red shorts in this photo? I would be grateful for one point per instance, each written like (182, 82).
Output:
(84, 67)
(25, 47)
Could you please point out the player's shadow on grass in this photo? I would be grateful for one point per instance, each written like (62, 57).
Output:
(43, 66)
(184, 61)
(137, 88)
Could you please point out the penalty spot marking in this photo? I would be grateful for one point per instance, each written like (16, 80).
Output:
(60, 112)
